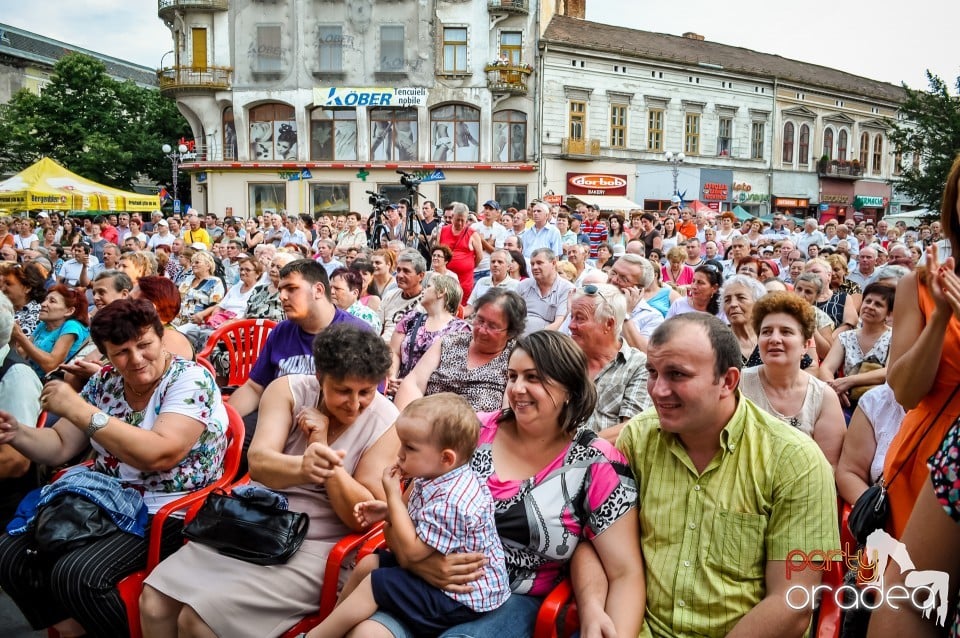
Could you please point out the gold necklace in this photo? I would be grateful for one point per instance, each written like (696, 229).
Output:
(153, 385)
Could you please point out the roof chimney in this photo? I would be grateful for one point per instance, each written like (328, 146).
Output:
(573, 8)
(690, 35)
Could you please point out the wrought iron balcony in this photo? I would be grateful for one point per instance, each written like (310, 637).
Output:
(520, 7)
(840, 170)
(508, 78)
(167, 8)
(188, 79)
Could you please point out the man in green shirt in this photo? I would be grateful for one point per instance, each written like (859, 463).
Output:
(726, 492)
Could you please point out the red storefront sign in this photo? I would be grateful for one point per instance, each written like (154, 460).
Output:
(715, 191)
(596, 184)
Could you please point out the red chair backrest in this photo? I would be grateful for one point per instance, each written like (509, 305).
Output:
(243, 340)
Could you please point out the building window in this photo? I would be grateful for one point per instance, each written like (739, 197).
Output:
(578, 117)
(269, 55)
(756, 140)
(333, 134)
(804, 145)
(511, 47)
(465, 193)
(511, 195)
(828, 143)
(725, 137)
(877, 153)
(392, 58)
(454, 133)
(264, 199)
(691, 134)
(618, 126)
(864, 150)
(330, 44)
(393, 135)
(898, 163)
(329, 199)
(273, 132)
(842, 145)
(510, 136)
(787, 143)
(454, 49)
(655, 130)
(229, 135)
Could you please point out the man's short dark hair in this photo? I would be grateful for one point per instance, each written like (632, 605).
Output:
(310, 270)
(726, 348)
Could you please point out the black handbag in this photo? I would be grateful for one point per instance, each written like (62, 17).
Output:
(69, 521)
(872, 509)
(248, 530)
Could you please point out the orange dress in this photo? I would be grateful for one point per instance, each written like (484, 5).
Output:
(906, 487)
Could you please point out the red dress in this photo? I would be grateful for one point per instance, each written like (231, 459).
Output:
(464, 259)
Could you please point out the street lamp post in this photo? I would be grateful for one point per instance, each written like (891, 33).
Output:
(175, 157)
(675, 159)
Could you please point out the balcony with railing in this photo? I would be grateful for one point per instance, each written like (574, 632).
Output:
(580, 148)
(508, 78)
(189, 79)
(167, 8)
(840, 170)
(520, 7)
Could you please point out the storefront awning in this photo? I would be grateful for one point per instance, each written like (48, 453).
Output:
(609, 202)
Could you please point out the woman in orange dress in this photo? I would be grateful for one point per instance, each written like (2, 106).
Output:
(926, 329)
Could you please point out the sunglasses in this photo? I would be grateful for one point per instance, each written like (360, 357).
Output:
(593, 290)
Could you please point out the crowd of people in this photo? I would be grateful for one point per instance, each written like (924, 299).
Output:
(653, 404)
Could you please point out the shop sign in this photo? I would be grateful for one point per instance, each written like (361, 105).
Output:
(553, 200)
(370, 96)
(835, 199)
(865, 201)
(743, 193)
(790, 202)
(596, 184)
(715, 191)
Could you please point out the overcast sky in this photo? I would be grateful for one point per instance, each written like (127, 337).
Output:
(883, 39)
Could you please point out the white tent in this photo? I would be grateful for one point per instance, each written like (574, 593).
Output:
(911, 218)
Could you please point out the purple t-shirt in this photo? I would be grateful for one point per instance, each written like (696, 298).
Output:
(289, 350)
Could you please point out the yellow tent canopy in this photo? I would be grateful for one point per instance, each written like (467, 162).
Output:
(47, 185)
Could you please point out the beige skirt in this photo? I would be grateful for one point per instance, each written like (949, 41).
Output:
(237, 599)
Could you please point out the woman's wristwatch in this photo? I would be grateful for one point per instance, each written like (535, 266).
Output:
(97, 422)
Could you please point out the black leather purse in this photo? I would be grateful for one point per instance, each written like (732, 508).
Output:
(69, 521)
(248, 530)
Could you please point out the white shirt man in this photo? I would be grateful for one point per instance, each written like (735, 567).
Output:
(810, 235)
(325, 248)
(163, 236)
(492, 234)
(73, 272)
(866, 267)
(499, 277)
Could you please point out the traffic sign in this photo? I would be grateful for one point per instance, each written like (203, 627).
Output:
(176, 205)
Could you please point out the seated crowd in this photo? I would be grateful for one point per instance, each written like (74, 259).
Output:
(654, 406)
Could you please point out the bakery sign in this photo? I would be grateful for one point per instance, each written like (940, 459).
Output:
(596, 184)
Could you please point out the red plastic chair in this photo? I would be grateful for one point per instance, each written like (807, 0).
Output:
(558, 613)
(830, 616)
(243, 340)
(131, 586)
(362, 544)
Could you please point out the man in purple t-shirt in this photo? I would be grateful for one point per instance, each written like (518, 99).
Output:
(305, 297)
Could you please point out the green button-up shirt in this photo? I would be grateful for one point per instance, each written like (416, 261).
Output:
(707, 537)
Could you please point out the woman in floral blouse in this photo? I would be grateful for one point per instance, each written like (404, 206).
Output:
(203, 291)
(157, 423)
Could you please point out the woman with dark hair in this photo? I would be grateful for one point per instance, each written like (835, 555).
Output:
(518, 266)
(25, 287)
(616, 236)
(785, 324)
(368, 293)
(471, 364)
(323, 441)
(60, 333)
(440, 256)
(417, 331)
(535, 456)
(703, 294)
(669, 235)
(157, 424)
(345, 287)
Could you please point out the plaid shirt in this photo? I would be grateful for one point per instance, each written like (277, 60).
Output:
(453, 514)
(621, 389)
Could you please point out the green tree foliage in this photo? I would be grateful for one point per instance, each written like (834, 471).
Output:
(98, 127)
(931, 128)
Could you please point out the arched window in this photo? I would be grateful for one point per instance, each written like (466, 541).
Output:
(393, 135)
(828, 143)
(510, 136)
(788, 143)
(842, 145)
(864, 150)
(273, 132)
(877, 153)
(454, 133)
(229, 135)
(333, 134)
(804, 145)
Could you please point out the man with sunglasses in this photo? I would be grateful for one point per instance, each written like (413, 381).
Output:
(597, 314)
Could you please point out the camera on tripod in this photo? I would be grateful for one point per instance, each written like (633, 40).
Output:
(409, 180)
(378, 200)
